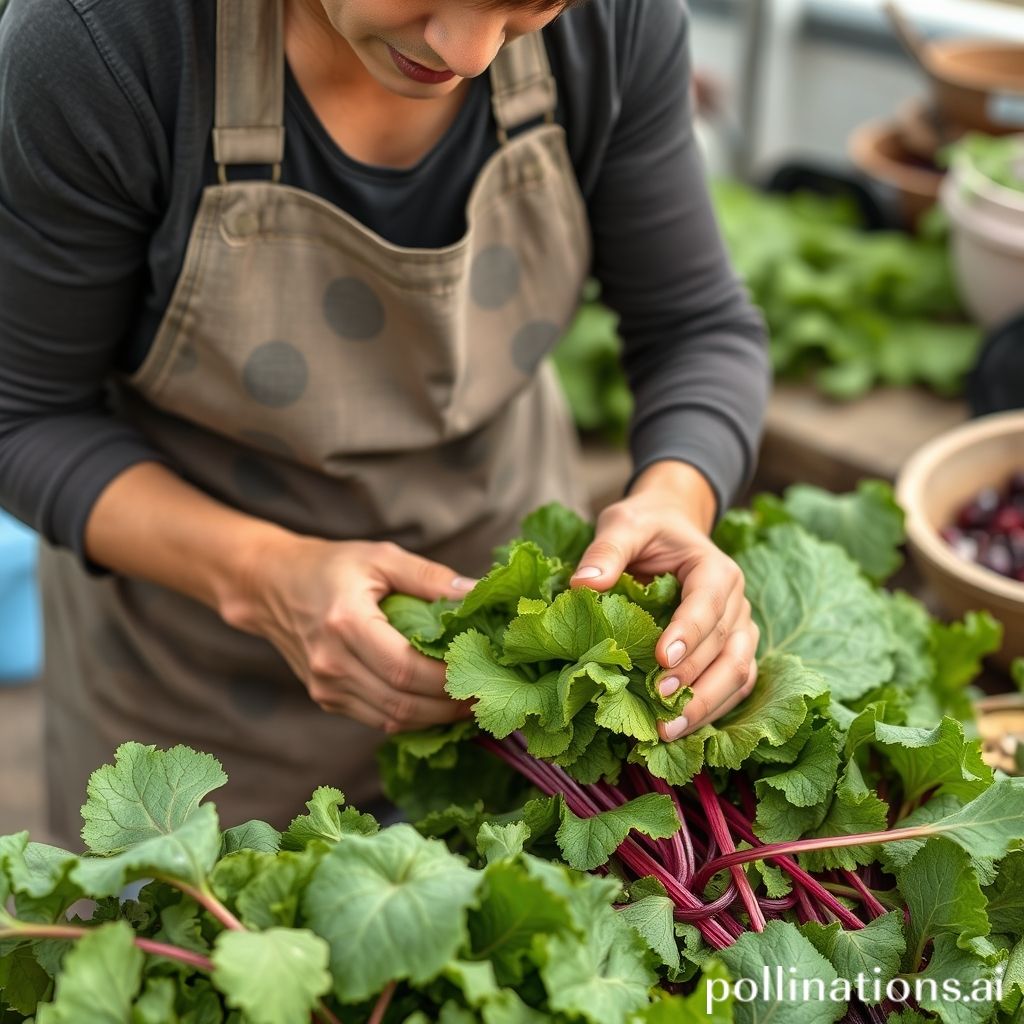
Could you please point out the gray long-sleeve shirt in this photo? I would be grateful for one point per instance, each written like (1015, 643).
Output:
(106, 110)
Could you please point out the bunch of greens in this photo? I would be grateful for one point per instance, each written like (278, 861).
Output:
(838, 822)
(332, 920)
(1000, 159)
(848, 309)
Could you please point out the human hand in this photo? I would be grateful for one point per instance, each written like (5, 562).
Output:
(318, 603)
(710, 643)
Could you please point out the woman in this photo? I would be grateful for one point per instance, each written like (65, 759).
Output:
(276, 283)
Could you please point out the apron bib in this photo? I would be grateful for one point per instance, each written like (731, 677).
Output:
(313, 374)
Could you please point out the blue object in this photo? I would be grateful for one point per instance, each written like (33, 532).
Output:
(21, 628)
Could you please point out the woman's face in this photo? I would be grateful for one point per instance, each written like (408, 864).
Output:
(425, 48)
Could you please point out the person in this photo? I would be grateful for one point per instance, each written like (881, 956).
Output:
(277, 280)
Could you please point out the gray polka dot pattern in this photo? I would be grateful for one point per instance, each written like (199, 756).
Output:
(353, 310)
(532, 343)
(187, 361)
(254, 697)
(276, 374)
(494, 277)
(255, 480)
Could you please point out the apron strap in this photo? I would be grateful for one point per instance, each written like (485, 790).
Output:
(249, 112)
(522, 86)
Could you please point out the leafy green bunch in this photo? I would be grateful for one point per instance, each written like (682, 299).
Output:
(332, 920)
(840, 820)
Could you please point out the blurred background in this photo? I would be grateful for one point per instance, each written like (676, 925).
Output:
(869, 179)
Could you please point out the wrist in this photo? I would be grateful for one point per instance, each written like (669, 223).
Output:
(683, 487)
(242, 582)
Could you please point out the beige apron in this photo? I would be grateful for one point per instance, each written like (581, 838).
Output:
(311, 373)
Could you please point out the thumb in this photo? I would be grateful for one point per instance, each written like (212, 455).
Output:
(413, 574)
(605, 560)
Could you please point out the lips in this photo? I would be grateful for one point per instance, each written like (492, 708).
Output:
(417, 72)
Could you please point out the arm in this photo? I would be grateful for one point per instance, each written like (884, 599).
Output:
(79, 188)
(695, 354)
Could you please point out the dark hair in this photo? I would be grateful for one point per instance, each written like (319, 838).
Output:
(534, 6)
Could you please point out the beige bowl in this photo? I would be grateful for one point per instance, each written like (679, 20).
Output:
(979, 85)
(936, 481)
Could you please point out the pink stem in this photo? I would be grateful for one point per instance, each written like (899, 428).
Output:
(720, 829)
(382, 1003)
(874, 905)
(209, 902)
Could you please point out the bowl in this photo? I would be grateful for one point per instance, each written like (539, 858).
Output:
(935, 482)
(987, 241)
(978, 85)
(878, 150)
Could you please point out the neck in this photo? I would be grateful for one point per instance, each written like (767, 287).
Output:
(323, 55)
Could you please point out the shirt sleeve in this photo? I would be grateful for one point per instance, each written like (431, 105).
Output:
(77, 204)
(694, 347)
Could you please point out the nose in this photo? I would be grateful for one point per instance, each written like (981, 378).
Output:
(467, 41)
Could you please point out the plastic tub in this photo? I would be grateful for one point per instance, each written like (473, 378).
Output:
(987, 243)
(21, 634)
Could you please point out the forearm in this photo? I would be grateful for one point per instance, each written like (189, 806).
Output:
(151, 524)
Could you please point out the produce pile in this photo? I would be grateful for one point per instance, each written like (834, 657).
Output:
(839, 822)
(846, 308)
(588, 872)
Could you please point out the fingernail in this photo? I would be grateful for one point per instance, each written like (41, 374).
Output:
(675, 653)
(668, 686)
(587, 572)
(676, 729)
(463, 583)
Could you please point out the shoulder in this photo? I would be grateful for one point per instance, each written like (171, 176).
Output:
(142, 46)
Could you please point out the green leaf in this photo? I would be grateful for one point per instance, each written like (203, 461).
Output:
(943, 897)
(781, 943)
(1006, 897)
(813, 776)
(371, 894)
(589, 842)
(273, 976)
(420, 622)
(156, 1004)
(991, 823)
(958, 648)
(326, 821)
(658, 598)
(526, 573)
(23, 983)
(676, 762)
(505, 696)
(145, 794)
(857, 953)
(773, 712)
(474, 979)
(867, 524)
(810, 600)
(558, 531)
(855, 809)
(508, 1008)
(604, 979)
(515, 910)
(271, 897)
(567, 629)
(187, 854)
(501, 842)
(652, 919)
(252, 835)
(100, 978)
(950, 964)
(625, 712)
(633, 630)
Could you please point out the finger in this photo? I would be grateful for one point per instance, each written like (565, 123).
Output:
(367, 698)
(707, 591)
(390, 657)
(605, 560)
(696, 662)
(730, 678)
(412, 574)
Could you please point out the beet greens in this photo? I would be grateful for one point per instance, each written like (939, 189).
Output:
(840, 821)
